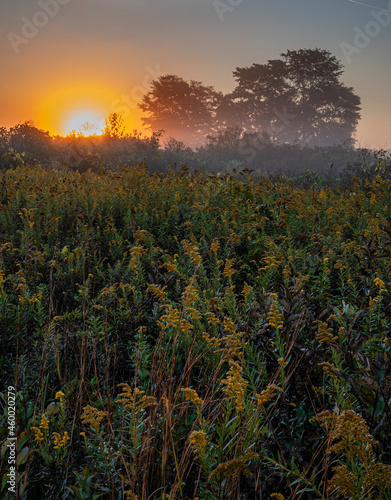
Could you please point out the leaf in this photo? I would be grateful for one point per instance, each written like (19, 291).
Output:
(24, 436)
(22, 456)
(53, 408)
(78, 493)
(5, 446)
(4, 481)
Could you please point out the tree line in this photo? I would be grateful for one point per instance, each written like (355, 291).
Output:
(298, 98)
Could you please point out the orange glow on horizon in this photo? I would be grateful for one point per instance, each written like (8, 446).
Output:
(71, 107)
(86, 122)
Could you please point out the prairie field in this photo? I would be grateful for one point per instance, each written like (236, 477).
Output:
(195, 335)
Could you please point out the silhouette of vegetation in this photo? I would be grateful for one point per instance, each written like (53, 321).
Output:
(227, 151)
(296, 99)
(185, 110)
(115, 127)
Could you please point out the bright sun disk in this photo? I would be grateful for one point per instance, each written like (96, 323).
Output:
(85, 122)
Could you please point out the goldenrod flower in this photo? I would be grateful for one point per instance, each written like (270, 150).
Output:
(191, 395)
(325, 334)
(185, 326)
(267, 394)
(215, 245)
(198, 440)
(328, 368)
(59, 441)
(192, 251)
(247, 289)
(38, 434)
(93, 417)
(157, 291)
(190, 295)
(44, 423)
(380, 283)
(170, 319)
(59, 395)
(129, 495)
(235, 384)
(130, 400)
(282, 362)
(228, 268)
(235, 467)
(274, 316)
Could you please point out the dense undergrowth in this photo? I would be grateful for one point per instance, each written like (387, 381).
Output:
(195, 336)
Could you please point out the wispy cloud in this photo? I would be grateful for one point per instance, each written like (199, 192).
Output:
(365, 4)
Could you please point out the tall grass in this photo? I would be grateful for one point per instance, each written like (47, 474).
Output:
(195, 336)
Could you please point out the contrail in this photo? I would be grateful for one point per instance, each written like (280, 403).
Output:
(365, 4)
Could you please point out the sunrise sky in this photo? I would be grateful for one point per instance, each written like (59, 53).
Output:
(92, 57)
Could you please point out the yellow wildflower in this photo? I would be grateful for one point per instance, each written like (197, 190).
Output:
(190, 295)
(328, 368)
(228, 268)
(235, 467)
(215, 245)
(198, 440)
(171, 318)
(93, 417)
(130, 400)
(274, 316)
(212, 341)
(325, 334)
(235, 384)
(380, 283)
(129, 495)
(192, 251)
(247, 289)
(191, 395)
(282, 362)
(59, 441)
(38, 434)
(157, 291)
(267, 394)
(44, 423)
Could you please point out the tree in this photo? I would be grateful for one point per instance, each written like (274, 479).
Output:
(297, 98)
(27, 138)
(184, 110)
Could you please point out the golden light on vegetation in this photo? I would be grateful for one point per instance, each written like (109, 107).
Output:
(72, 106)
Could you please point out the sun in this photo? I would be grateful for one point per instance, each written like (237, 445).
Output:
(85, 122)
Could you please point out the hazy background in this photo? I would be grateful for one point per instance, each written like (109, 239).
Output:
(94, 54)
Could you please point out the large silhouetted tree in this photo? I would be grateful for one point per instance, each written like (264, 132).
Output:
(184, 110)
(297, 98)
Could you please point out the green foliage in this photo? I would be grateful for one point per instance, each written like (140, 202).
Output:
(195, 335)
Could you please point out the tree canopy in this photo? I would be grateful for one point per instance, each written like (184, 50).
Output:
(184, 110)
(298, 98)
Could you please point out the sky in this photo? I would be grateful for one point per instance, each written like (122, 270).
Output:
(66, 62)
